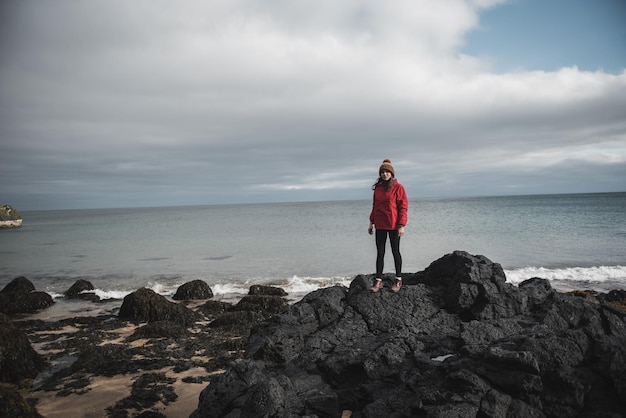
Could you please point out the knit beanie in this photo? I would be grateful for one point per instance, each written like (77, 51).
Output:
(386, 165)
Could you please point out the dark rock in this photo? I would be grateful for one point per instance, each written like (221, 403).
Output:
(266, 305)
(457, 341)
(18, 359)
(81, 289)
(617, 299)
(80, 349)
(150, 414)
(213, 308)
(537, 292)
(261, 290)
(12, 404)
(24, 302)
(108, 360)
(196, 289)
(237, 320)
(19, 284)
(248, 312)
(104, 360)
(19, 296)
(146, 305)
(617, 295)
(79, 286)
(473, 287)
(92, 297)
(252, 394)
(160, 329)
(148, 390)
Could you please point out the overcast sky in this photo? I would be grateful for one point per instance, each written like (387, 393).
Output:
(119, 103)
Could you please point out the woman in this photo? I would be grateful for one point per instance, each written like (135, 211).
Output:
(389, 217)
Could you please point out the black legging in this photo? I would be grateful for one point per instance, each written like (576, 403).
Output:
(381, 241)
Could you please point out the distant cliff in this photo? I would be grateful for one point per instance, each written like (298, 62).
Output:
(9, 217)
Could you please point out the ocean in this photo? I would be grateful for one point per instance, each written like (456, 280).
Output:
(576, 241)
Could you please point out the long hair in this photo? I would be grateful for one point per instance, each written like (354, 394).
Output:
(386, 184)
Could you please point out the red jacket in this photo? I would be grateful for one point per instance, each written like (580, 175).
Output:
(390, 208)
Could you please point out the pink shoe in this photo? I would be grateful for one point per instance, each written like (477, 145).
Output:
(378, 284)
(397, 285)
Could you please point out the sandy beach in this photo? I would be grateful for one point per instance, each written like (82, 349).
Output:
(160, 374)
(104, 392)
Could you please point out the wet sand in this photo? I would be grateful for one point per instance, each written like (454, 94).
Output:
(189, 362)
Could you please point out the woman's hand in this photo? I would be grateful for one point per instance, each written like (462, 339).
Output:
(370, 229)
(401, 231)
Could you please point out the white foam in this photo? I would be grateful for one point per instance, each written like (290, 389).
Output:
(599, 274)
(294, 285)
(599, 278)
(303, 285)
(111, 294)
(230, 288)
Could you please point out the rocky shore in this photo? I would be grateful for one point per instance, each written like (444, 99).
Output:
(456, 341)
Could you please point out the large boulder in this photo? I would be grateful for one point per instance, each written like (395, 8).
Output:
(457, 340)
(473, 287)
(19, 296)
(213, 308)
(268, 306)
(160, 329)
(237, 320)
(616, 298)
(195, 289)
(250, 311)
(19, 284)
(146, 305)
(18, 359)
(82, 289)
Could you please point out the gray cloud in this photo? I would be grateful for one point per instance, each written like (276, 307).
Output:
(115, 103)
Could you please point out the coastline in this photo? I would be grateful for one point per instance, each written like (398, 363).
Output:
(120, 250)
(130, 367)
(103, 364)
(104, 392)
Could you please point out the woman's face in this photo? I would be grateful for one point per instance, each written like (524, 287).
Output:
(385, 175)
